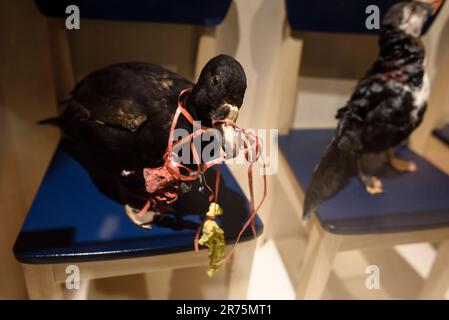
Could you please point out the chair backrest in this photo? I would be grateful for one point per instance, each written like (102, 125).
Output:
(345, 16)
(198, 12)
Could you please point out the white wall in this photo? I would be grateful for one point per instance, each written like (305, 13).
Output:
(26, 95)
(318, 100)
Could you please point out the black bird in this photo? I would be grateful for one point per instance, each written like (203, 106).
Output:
(117, 120)
(386, 106)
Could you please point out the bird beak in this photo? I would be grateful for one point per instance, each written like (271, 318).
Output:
(228, 134)
(436, 6)
(431, 5)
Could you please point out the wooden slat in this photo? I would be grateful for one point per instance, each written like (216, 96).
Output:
(207, 49)
(322, 247)
(352, 242)
(240, 273)
(41, 282)
(113, 268)
(61, 58)
(437, 283)
(285, 81)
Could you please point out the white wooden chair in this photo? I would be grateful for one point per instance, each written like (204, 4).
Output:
(45, 276)
(414, 209)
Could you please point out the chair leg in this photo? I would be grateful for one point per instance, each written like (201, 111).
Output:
(320, 254)
(61, 58)
(78, 294)
(40, 282)
(437, 283)
(241, 267)
(158, 284)
(207, 49)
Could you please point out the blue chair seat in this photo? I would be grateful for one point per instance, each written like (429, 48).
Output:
(345, 16)
(442, 134)
(412, 201)
(198, 12)
(71, 221)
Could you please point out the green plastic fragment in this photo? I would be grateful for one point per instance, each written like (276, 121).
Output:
(213, 238)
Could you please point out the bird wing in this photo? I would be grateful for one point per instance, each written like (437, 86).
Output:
(370, 94)
(108, 97)
(126, 95)
(120, 113)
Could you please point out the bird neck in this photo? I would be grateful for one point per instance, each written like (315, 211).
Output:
(396, 46)
(401, 55)
(188, 105)
(195, 109)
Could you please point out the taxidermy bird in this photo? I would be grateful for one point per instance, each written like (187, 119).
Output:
(385, 108)
(118, 119)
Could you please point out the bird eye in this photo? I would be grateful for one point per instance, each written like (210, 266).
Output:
(215, 80)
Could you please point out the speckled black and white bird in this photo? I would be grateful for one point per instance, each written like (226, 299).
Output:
(117, 120)
(386, 106)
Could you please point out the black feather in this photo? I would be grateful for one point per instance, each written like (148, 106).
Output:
(333, 170)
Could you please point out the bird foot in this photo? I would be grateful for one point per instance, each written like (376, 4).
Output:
(144, 220)
(402, 165)
(373, 185)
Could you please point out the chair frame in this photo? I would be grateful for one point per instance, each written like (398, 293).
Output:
(45, 281)
(323, 246)
(285, 79)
